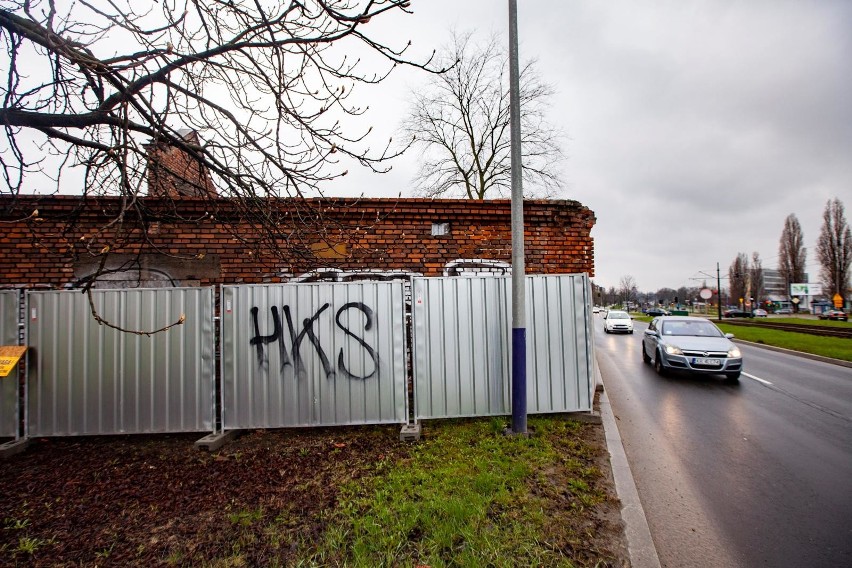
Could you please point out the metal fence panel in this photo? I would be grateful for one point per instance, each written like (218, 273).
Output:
(9, 314)
(317, 354)
(559, 342)
(462, 346)
(87, 378)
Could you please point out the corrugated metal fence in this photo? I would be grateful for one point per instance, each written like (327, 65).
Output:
(313, 354)
(9, 309)
(85, 378)
(307, 354)
(462, 346)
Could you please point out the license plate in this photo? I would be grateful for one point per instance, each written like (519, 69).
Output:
(707, 362)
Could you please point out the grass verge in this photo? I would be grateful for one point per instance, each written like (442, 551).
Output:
(834, 347)
(469, 496)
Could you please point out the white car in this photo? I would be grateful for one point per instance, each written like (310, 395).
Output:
(618, 322)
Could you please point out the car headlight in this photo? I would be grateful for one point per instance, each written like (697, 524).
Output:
(673, 350)
(734, 352)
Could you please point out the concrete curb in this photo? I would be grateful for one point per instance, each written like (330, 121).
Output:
(640, 545)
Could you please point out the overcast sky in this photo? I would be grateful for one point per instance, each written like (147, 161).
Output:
(693, 128)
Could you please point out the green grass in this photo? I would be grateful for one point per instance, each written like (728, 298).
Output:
(467, 496)
(808, 321)
(834, 347)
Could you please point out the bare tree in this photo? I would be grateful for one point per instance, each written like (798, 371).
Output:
(834, 249)
(461, 122)
(627, 288)
(738, 277)
(267, 85)
(791, 253)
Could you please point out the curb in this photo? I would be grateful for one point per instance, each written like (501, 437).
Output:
(640, 545)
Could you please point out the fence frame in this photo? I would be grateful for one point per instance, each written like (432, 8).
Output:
(10, 386)
(556, 304)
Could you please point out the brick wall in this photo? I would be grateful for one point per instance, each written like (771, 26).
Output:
(195, 241)
(173, 173)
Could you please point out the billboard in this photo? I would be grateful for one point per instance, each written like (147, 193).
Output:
(805, 289)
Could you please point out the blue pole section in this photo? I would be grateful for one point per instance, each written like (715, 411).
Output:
(519, 380)
(519, 318)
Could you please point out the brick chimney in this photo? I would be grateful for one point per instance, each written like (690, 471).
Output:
(174, 173)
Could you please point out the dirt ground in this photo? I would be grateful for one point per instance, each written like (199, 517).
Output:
(157, 500)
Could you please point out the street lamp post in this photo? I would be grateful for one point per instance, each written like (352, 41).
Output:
(519, 332)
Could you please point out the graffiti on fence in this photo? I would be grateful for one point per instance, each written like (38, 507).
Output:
(294, 358)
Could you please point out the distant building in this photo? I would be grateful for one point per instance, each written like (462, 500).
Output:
(775, 286)
(778, 291)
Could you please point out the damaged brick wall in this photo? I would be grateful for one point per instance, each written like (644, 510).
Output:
(63, 243)
(173, 173)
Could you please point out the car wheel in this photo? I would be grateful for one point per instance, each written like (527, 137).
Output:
(733, 377)
(658, 364)
(631, 332)
(645, 357)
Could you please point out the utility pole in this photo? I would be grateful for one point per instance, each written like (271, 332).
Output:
(719, 288)
(519, 323)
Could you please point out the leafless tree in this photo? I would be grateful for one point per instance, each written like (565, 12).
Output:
(266, 85)
(461, 123)
(834, 249)
(738, 274)
(628, 289)
(791, 252)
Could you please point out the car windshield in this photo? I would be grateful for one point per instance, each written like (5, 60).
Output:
(697, 328)
(618, 315)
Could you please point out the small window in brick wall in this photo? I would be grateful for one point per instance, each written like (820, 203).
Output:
(440, 229)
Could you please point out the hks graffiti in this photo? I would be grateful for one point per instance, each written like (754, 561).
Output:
(260, 341)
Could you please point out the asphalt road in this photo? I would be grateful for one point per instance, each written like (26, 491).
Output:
(755, 474)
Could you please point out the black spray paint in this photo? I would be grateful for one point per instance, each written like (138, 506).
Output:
(260, 341)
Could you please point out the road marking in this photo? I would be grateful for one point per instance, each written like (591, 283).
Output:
(758, 379)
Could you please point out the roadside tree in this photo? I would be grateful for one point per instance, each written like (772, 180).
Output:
(666, 295)
(792, 254)
(460, 121)
(834, 249)
(738, 276)
(628, 290)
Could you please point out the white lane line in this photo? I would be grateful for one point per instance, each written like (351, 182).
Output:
(758, 379)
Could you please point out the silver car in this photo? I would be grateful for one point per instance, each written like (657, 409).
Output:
(691, 344)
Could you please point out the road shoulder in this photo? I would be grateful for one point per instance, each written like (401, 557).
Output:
(643, 553)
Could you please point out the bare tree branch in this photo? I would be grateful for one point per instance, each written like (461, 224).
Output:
(257, 96)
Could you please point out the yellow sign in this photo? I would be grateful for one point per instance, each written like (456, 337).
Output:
(9, 357)
(838, 301)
